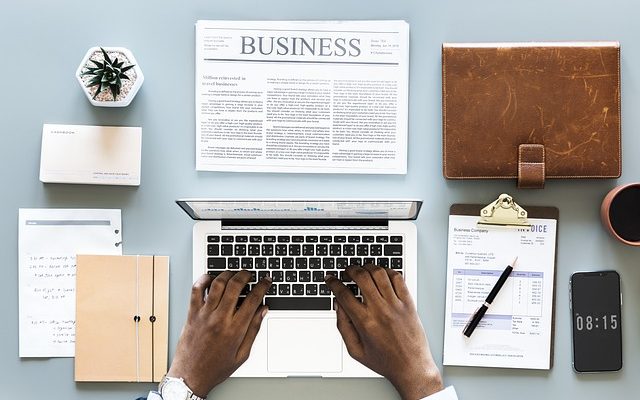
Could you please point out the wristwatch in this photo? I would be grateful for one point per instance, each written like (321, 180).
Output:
(175, 389)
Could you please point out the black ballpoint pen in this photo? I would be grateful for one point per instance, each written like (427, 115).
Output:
(477, 316)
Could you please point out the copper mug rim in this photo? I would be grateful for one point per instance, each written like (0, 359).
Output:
(606, 206)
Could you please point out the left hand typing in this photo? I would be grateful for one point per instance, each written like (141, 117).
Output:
(217, 337)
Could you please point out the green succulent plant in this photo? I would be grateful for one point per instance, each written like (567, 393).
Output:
(107, 75)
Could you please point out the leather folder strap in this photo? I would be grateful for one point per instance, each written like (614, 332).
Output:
(531, 170)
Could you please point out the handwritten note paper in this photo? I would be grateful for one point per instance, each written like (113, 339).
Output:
(50, 284)
(49, 242)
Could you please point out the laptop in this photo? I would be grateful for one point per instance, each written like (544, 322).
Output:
(297, 242)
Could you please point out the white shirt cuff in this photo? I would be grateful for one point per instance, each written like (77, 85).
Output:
(448, 394)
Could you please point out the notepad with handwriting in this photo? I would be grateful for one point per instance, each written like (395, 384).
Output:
(517, 330)
(49, 239)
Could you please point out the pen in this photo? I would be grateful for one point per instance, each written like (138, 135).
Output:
(477, 316)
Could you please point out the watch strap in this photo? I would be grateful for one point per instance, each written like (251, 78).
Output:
(190, 396)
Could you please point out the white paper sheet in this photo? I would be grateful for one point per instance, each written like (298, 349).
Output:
(302, 96)
(49, 240)
(516, 330)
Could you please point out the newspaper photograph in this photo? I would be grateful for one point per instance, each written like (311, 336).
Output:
(302, 97)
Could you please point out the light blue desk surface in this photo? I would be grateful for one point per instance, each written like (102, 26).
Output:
(42, 43)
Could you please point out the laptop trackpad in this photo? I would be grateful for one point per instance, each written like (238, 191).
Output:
(302, 346)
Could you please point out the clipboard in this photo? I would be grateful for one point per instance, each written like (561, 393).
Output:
(504, 211)
(501, 218)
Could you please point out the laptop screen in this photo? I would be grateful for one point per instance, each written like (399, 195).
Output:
(203, 209)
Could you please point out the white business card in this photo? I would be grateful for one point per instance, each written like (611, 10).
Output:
(95, 155)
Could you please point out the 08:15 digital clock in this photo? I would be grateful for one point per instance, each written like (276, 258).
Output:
(597, 333)
(589, 322)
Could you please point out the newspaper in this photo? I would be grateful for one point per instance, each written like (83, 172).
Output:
(308, 97)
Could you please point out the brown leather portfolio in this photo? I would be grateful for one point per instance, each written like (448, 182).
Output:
(122, 325)
(531, 111)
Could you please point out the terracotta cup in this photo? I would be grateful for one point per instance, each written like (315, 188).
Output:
(611, 207)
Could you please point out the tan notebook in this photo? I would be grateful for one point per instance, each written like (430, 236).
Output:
(531, 111)
(122, 310)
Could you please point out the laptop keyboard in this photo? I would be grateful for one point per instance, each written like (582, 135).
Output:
(298, 264)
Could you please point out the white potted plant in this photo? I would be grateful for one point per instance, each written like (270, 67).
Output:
(109, 76)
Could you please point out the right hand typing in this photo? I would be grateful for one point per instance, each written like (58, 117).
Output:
(384, 332)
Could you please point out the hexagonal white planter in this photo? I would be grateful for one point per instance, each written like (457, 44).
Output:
(129, 87)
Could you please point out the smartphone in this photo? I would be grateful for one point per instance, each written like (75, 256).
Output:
(596, 304)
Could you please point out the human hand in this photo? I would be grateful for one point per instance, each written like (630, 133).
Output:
(384, 332)
(217, 338)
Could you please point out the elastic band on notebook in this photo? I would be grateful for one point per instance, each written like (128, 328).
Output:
(152, 318)
(137, 319)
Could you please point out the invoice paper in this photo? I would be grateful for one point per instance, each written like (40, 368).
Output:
(294, 96)
(49, 240)
(516, 330)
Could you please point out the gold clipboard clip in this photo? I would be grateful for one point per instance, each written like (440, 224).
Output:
(504, 212)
